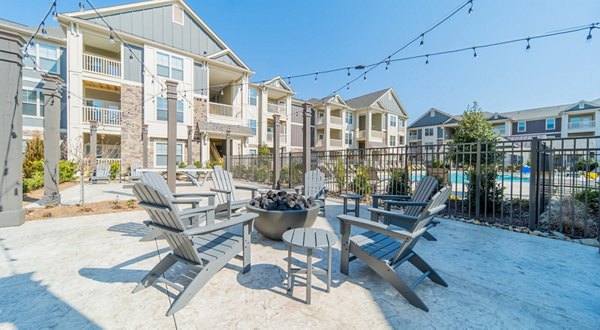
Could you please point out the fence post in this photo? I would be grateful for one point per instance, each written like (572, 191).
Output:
(533, 182)
(478, 181)
(306, 140)
(276, 159)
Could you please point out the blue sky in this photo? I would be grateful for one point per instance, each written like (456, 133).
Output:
(291, 37)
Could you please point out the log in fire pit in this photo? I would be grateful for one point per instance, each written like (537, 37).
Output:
(280, 211)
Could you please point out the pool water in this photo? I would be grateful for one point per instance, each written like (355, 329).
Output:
(461, 177)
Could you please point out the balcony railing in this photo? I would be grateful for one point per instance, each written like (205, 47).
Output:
(361, 134)
(101, 65)
(282, 137)
(582, 124)
(335, 143)
(413, 137)
(275, 108)
(500, 131)
(335, 120)
(377, 134)
(220, 109)
(104, 116)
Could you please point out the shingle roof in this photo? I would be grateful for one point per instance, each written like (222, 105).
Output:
(53, 31)
(366, 100)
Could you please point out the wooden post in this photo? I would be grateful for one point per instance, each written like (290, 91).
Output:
(52, 98)
(228, 152)
(93, 145)
(306, 141)
(171, 134)
(190, 153)
(276, 151)
(145, 145)
(11, 126)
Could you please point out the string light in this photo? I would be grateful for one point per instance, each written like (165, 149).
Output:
(111, 38)
(528, 45)
(387, 64)
(348, 87)
(365, 76)
(426, 59)
(470, 8)
(589, 36)
(348, 71)
(81, 6)
(44, 32)
(54, 12)
(474, 52)
(422, 40)
(316, 76)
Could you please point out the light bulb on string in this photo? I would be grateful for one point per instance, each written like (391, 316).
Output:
(44, 32)
(130, 55)
(422, 39)
(426, 59)
(365, 76)
(81, 6)
(528, 47)
(348, 68)
(470, 8)
(474, 53)
(348, 86)
(387, 64)
(589, 36)
(111, 38)
(316, 76)
(54, 12)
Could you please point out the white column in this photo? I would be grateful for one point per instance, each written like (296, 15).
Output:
(326, 119)
(74, 82)
(263, 115)
(368, 121)
(564, 125)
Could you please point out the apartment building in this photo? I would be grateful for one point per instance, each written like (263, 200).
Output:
(567, 120)
(376, 119)
(45, 53)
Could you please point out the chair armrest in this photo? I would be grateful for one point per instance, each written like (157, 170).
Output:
(392, 214)
(241, 219)
(390, 197)
(188, 195)
(195, 211)
(392, 231)
(185, 201)
(246, 187)
(405, 203)
(221, 191)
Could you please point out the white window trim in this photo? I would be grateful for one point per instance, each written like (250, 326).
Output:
(170, 65)
(156, 153)
(38, 102)
(36, 48)
(165, 120)
(425, 132)
(524, 127)
(395, 121)
(553, 124)
(250, 97)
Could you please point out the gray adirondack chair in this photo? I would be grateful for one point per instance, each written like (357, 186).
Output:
(412, 204)
(385, 247)
(227, 197)
(315, 187)
(134, 174)
(102, 173)
(155, 181)
(204, 250)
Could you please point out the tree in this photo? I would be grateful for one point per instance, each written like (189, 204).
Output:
(475, 140)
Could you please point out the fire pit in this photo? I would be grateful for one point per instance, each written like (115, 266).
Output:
(280, 211)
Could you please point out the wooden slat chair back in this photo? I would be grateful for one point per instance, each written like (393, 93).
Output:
(423, 191)
(134, 174)
(315, 183)
(156, 181)
(384, 248)
(223, 180)
(204, 250)
(102, 173)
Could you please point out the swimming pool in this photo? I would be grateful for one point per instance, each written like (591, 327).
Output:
(462, 177)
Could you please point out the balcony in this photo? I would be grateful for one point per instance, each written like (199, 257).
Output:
(101, 65)
(377, 134)
(275, 108)
(582, 124)
(361, 134)
(413, 137)
(104, 116)
(220, 109)
(500, 131)
(335, 120)
(335, 143)
(282, 137)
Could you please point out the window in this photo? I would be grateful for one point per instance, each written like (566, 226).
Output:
(392, 121)
(169, 66)
(348, 137)
(252, 125)
(178, 15)
(320, 136)
(33, 103)
(28, 61)
(521, 126)
(428, 145)
(392, 140)
(429, 132)
(550, 124)
(161, 154)
(253, 152)
(162, 112)
(581, 106)
(253, 96)
(349, 117)
(401, 122)
(48, 58)
(401, 140)
(440, 132)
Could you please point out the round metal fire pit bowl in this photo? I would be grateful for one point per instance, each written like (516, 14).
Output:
(272, 224)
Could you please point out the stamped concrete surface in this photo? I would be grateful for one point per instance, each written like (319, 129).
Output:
(78, 273)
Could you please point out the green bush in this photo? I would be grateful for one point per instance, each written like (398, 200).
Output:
(66, 170)
(34, 151)
(34, 182)
(182, 165)
(437, 163)
(586, 165)
(114, 170)
(340, 174)
(213, 163)
(589, 197)
(284, 174)
(198, 164)
(362, 182)
(399, 183)
(491, 192)
(37, 166)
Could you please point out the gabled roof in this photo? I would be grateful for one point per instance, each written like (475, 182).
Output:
(440, 117)
(366, 100)
(582, 105)
(278, 82)
(54, 32)
(223, 54)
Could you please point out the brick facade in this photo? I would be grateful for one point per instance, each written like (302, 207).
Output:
(200, 115)
(131, 125)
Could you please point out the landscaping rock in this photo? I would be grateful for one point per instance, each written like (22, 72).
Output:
(558, 235)
(589, 241)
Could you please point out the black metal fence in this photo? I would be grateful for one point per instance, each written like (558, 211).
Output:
(491, 182)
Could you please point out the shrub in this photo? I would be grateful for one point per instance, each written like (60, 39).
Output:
(586, 165)
(198, 164)
(262, 174)
(340, 174)
(284, 174)
(362, 182)
(589, 197)
(34, 151)
(114, 170)
(399, 183)
(491, 192)
(33, 183)
(182, 165)
(437, 163)
(37, 166)
(66, 170)
(213, 163)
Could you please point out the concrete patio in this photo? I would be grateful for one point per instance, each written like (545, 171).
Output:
(79, 273)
